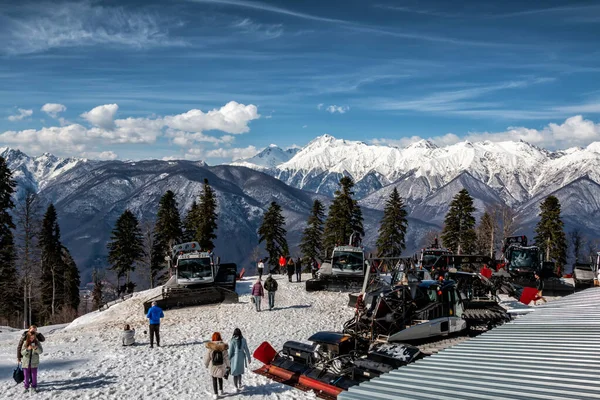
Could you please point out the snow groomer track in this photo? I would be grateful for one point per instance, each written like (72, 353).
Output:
(552, 353)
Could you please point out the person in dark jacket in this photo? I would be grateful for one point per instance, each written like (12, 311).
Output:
(314, 267)
(217, 370)
(155, 313)
(239, 356)
(298, 270)
(291, 268)
(271, 287)
(258, 293)
(32, 329)
(539, 285)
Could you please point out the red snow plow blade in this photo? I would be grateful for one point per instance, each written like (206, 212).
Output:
(265, 353)
(529, 294)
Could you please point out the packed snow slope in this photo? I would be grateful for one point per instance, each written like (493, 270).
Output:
(85, 360)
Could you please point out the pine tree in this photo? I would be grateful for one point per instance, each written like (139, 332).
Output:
(97, 291)
(125, 247)
(167, 232)
(272, 232)
(190, 223)
(71, 281)
(311, 242)
(550, 235)
(207, 218)
(392, 231)
(28, 221)
(9, 282)
(344, 218)
(148, 250)
(51, 265)
(459, 234)
(486, 235)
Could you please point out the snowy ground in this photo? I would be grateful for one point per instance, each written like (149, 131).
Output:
(85, 360)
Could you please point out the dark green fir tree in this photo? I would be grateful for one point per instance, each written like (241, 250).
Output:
(272, 232)
(311, 243)
(392, 231)
(459, 234)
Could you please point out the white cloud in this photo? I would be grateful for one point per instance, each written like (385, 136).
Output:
(76, 139)
(21, 115)
(103, 155)
(53, 109)
(304, 126)
(102, 116)
(574, 131)
(320, 106)
(83, 23)
(233, 153)
(231, 118)
(339, 109)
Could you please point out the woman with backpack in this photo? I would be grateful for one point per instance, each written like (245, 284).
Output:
(217, 362)
(31, 351)
(239, 354)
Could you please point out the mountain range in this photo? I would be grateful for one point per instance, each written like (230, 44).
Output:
(90, 195)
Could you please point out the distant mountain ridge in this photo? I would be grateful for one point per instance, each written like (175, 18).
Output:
(90, 195)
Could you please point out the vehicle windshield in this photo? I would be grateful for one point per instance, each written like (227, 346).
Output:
(427, 260)
(524, 258)
(347, 261)
(194, 268)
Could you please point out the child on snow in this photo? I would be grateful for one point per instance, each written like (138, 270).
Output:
(239, 356)
(128, 336)
(217, 362)
(31, 351)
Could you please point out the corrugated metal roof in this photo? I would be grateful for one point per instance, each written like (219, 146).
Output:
(550, 354)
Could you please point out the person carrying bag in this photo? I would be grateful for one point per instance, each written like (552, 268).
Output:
(18, 374)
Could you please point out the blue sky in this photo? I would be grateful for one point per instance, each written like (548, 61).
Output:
(220, 79)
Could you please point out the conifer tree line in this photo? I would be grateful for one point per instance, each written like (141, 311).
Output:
(39, 280)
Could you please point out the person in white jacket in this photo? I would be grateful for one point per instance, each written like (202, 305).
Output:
(128, 336)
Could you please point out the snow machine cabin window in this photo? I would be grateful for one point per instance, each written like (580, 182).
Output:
(194, 268)
(429, 260)
(348, 261)
(523, 258)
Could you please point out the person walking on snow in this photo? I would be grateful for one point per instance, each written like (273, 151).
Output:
(261, 267)
(258, 293)
(291, 268)
(281, 264)
(155, 313)
(239, 355)
(32, 329)
(298, 270)
(271, 288)
(216, 360)
(31, 351)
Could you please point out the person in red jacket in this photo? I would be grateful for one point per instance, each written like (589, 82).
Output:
(281, 264)
(258, 293)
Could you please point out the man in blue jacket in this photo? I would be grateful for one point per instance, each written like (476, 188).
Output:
(155, 313)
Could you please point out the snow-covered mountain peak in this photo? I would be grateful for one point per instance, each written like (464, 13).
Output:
(594, 147)
(422, 144)
(270, 157)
